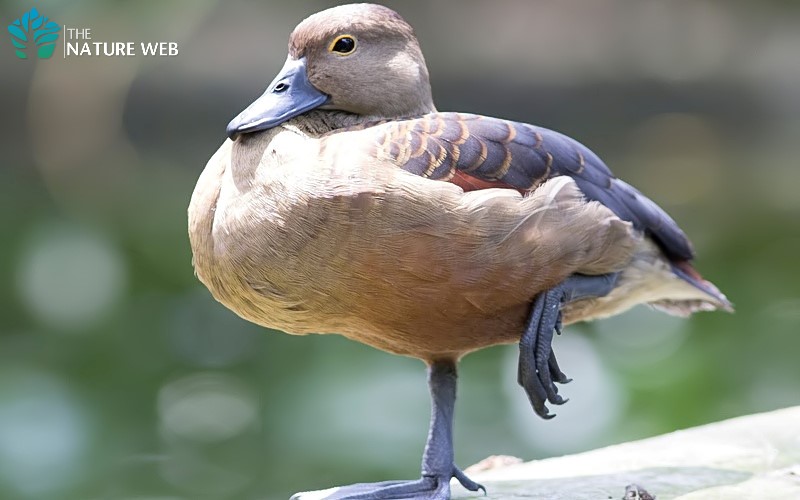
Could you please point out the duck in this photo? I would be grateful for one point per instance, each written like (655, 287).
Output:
(343, 202)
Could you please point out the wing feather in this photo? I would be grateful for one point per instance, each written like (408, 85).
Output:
(478, 152)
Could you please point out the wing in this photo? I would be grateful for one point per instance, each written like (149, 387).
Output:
(478, 152)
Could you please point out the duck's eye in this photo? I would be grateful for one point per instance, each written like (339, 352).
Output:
(343, 45)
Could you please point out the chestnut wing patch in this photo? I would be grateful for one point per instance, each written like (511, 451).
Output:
(478, 152)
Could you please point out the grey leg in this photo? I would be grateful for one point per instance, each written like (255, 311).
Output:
(437, 460)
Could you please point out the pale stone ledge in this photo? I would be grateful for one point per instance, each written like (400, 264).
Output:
(752, 457)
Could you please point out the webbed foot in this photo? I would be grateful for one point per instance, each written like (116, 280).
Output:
(538, 369)
(428, 487)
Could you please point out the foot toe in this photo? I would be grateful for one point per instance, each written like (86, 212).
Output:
(429, 487)
(466, 482)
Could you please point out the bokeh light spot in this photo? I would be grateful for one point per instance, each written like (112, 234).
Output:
(206, 407)
(43, 435)
(641, 337)
(68, 277)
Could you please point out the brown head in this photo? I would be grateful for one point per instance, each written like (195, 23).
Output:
(362, 59)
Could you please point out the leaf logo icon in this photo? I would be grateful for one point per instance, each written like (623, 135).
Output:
(33, 27)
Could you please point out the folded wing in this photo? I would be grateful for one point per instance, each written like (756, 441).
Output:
(478, 152)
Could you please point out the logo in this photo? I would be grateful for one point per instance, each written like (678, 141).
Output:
(33, 28)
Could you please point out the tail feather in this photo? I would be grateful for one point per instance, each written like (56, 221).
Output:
(673, 287)
(716, 299)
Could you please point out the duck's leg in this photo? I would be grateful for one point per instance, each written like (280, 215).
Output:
(538, 369)
(437, 461)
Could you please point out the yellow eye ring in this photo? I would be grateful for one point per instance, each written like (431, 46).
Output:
(343, 45)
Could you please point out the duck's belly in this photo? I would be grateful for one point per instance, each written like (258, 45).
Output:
(341, 274)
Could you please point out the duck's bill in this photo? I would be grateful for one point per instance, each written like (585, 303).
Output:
(290, 94)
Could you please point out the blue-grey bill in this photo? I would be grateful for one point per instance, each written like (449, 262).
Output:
(290, 94)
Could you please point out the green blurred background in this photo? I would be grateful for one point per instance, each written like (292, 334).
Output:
(121, 378)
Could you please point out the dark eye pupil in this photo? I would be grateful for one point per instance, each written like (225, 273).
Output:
(344, 45)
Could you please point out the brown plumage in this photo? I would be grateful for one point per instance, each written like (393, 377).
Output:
(345, 203)
(312, 235)
(476, 152)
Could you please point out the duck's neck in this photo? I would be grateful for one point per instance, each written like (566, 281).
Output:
(318, 122)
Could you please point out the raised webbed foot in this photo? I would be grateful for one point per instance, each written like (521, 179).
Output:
(538, 369)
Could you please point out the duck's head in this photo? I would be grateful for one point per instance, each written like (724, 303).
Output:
(363, 59)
